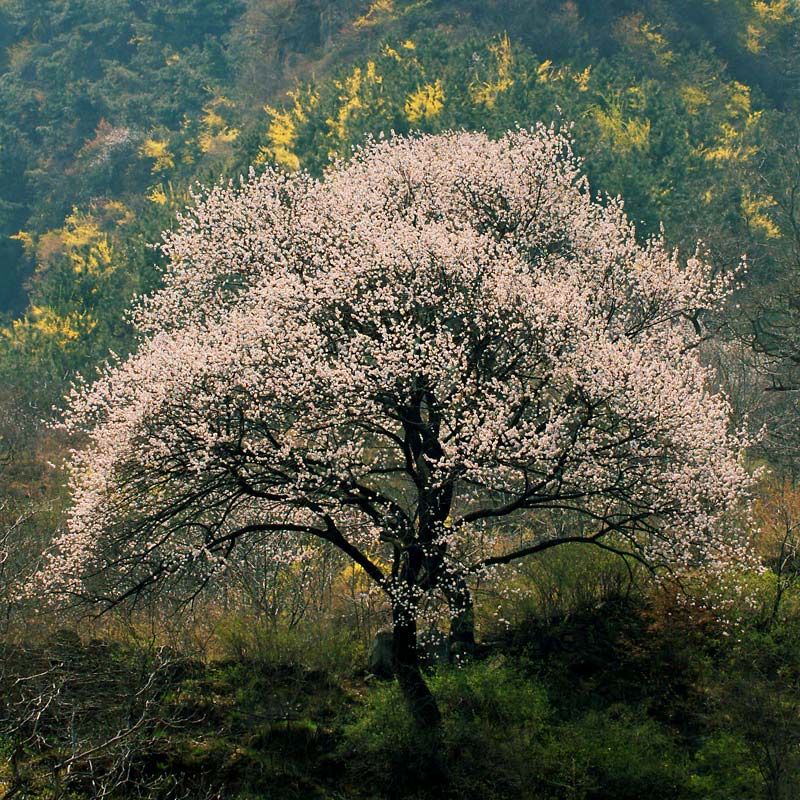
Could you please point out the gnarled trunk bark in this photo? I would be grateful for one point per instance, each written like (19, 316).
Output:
(418, 697)
(462, 615)
(430, 765)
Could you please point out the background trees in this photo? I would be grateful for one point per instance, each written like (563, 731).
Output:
(660, 96)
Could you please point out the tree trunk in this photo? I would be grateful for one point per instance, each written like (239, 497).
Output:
(429, 763)
(462, 616)
(421, 703)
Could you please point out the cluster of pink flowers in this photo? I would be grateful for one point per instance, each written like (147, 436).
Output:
(444, 338)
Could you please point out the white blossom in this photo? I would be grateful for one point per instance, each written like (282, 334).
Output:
(441, 336)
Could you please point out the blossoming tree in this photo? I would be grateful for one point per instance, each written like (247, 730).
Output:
(406, 360)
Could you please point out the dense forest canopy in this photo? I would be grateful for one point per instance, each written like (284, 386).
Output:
(111, 110)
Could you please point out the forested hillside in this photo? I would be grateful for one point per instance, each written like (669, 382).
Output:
(686, 110)
(111, 114)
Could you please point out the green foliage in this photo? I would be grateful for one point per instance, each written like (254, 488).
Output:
(651, 698)
(618, 753)
(673, 106)
(317, 644)
(493, 717)
(723, 768)
(502, 738)
(558, 584)
(83, 84)
(87, 717)
(755, 699)
(86, 272)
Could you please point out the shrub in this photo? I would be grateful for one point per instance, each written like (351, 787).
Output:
(493, 718)
(501, 739)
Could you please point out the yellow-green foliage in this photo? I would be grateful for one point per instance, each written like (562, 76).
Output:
(680, 121)
(74, 264)
(768, 19)
(379, 12)
(756, 209)
(382, 12)
(694, 98)
(734, 139)
(645, 39)
(283, 129)
(158, 150)
(425, 103)
(485, 92)
(83, 278)
(623, 133)
(86, 246)
(43, 329)
(80, 243)
(780, 11)
(656, 118)
(359, 95)
(158, 195)
(216, 134)
(281, 135)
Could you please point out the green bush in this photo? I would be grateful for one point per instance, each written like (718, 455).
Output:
(500, 739)
(495, 719)
(724, 770)
(617, 753)
(320, 644)
(493, 716)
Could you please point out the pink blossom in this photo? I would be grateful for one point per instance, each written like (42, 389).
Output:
(446, 336)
